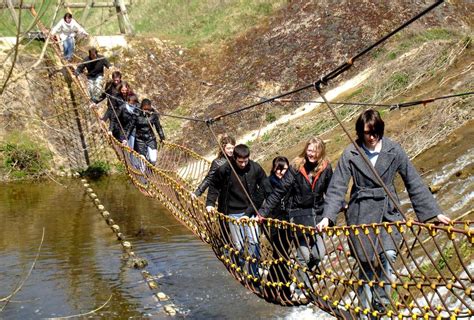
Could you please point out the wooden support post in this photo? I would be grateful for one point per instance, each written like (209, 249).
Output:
(86, 11)
(11, 8)
(122, 15)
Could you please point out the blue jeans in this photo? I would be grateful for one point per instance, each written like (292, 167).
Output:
(68, 46)
(382, 272)
(242, 234)
(310, 252)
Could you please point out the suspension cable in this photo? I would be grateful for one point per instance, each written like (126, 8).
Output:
(338, 70)
(392, 106)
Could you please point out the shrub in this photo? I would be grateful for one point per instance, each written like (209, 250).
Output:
(23, 158)
(270, 117)
(96, 170)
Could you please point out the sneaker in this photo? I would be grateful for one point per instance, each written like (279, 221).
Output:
(378, 306)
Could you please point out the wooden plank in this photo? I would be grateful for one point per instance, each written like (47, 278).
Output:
(75, 5)
(92, 5)
(16, 5)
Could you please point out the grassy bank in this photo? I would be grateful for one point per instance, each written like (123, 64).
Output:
(188, 22)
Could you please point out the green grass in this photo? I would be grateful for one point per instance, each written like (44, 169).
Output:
(398, 80)
(188, 22)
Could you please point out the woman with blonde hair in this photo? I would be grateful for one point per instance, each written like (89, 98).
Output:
(227, 144)
(306, 183)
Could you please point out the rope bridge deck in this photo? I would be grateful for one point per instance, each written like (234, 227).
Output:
(433, 273)
(434, 269)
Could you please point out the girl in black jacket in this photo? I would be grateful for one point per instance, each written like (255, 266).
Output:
(126, 114)
(279, 237)
(145, 140)
(227, 143)
(120, 97)
(306, 183)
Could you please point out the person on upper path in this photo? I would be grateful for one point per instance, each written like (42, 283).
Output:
(369, 203)
(67, 28)
(227, 144)
(95, 65)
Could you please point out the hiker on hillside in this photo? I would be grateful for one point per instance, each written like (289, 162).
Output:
(370, 204)
(145, 140)
(306, 182)
(95, 65)
(67, 28)
(227, 144)
(233, 201)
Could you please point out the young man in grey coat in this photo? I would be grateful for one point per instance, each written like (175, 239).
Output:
(369, 204)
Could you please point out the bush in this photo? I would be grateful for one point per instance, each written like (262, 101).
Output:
(96, 170)
(23, 158)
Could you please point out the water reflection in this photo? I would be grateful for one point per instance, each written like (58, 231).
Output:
(80, 263)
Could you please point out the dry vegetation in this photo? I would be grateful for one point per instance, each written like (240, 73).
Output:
(297, 43)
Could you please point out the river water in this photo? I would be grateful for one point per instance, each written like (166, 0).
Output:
(80, 264)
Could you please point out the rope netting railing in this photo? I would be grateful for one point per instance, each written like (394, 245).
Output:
(432, 273)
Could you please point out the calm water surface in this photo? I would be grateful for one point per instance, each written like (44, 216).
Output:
(80, 264)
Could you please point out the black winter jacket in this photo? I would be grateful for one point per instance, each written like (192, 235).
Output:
(141, 122)
(110, 90)
(280, 212)
(125, 117)
(232, 199)
(302, 194)
(95, 67)
(216, 164)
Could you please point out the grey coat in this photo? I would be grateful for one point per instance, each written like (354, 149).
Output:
(369, 202)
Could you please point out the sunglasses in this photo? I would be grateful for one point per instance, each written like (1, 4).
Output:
(371, 133)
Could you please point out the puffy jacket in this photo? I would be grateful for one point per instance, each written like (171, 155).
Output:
(302, 193)
(216, 164)
(142, 122)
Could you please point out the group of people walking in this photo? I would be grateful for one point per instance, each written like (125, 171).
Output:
(310, 193)
(306, 191)
(130, 121)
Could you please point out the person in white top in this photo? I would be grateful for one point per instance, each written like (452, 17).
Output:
(67, 29)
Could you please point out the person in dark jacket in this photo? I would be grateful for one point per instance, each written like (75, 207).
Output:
(234, 201)
(111, 87)
(370, 204)
(227, 144)
(127, 112)
(145, 139)
(112, 114)
(279, 237)
(95, 65)
(306, 183)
